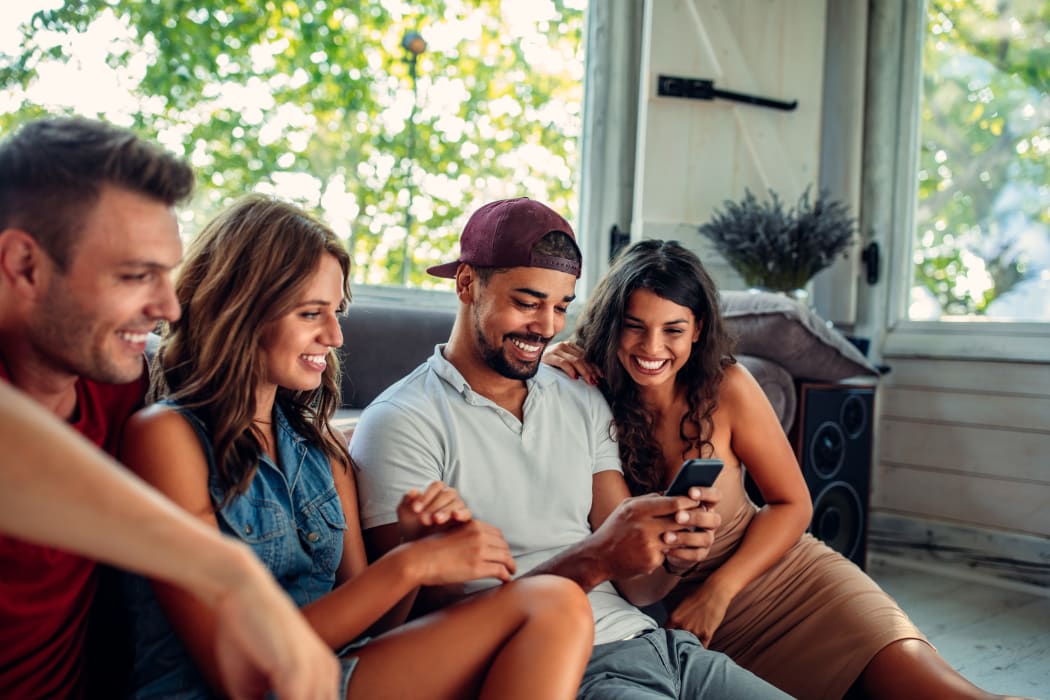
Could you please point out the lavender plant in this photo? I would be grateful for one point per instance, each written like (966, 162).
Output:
(776, 248)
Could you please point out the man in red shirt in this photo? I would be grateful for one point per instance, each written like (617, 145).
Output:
(88, 241)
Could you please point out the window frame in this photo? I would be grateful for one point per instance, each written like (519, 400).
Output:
(947, 338)
(402, 296)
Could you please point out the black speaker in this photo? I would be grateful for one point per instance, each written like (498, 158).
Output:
(832, 437)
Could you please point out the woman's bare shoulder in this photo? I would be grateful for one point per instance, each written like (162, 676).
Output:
(737, 383)
(161, 446)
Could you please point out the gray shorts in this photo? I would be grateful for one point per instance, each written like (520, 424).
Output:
(668, 664)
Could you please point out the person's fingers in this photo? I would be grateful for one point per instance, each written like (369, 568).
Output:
(497, 570)
(503, 558)
(698, 518)
(428, 507)
(443, 504)
(573, 349)
(565, 364)
(431, 492)
(654, 505)
(686, 540)
(707, 495)
(461, 515)
(408, 499)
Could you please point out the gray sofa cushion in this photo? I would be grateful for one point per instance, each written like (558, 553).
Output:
(792, 335)
(777, 383)
(381, 344)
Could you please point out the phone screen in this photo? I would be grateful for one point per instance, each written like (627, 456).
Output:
(694, 472)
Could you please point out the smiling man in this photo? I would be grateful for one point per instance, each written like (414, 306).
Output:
(88, 241)
(531, 451)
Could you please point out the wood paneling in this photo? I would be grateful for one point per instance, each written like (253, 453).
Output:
(984, 501)
(966, 449)
(966, 441)
(999, 557)
(1006, 411)
(1029, 379)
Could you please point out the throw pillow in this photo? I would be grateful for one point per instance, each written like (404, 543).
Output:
(780, 329)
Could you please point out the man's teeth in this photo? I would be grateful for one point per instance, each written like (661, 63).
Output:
(525, 346)
(133, 337)
(650, 364)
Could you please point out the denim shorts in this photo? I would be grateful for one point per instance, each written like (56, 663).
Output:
(348, 662)
(668, 664)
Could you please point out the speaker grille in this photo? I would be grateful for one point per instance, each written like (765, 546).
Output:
(827, 449)
(839, 518)
(854, 416)
(833, 440)
(832, 437)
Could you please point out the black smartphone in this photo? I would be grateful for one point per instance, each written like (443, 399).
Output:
(694, 472)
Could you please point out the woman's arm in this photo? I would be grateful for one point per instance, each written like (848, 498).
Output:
(59, 490)
(464, 550)
(334, 619)
(162, 447)
(758, 441)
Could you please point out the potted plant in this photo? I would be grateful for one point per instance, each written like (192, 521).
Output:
(777, 249)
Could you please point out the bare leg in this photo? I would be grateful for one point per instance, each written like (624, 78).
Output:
(910, 668)
(530, 639)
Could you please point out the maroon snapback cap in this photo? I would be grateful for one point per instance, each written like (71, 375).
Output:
(502, 234)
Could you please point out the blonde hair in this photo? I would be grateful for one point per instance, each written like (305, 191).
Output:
(243, 271)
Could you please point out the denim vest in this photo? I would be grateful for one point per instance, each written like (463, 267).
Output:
(290, 516)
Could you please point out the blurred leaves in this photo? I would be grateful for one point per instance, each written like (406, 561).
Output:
(310, 101)
(984, 177)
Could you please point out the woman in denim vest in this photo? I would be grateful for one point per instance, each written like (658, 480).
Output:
(242, 440)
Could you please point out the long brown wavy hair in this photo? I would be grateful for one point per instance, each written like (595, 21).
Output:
(671, 272)
(243, 271)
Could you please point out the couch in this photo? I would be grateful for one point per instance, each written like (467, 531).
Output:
(777, 339)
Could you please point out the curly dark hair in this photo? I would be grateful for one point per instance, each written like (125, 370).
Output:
(674, 273)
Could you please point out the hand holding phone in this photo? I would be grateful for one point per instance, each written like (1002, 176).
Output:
(694, 472)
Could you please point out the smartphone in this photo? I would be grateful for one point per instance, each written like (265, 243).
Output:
(694, 472)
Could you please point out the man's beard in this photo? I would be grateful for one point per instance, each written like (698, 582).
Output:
(496, 358)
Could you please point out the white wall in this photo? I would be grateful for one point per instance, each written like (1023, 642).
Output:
(694, 154)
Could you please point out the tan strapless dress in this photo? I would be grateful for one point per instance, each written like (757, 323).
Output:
(810, 624)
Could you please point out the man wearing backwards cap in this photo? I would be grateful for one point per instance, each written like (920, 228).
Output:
(530, 451)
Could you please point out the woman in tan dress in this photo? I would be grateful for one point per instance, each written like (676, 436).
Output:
(777, 601)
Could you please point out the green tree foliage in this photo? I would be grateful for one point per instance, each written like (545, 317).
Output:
(983, 163)
(311, 101)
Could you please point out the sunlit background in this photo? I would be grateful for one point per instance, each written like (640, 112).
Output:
(982, 238)
(322, 106)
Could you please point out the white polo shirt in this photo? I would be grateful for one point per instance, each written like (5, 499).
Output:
(531, 478)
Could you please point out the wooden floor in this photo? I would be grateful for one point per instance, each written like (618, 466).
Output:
(999, 638)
